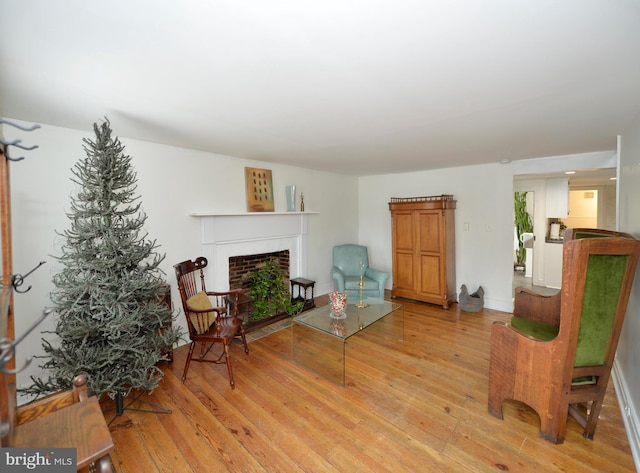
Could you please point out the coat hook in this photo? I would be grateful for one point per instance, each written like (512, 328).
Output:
(8, 347)
(19, 127)
(17, 144)
(17, 279)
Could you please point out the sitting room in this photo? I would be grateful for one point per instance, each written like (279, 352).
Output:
(343, 109)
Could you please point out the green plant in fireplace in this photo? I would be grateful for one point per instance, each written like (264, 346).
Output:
(269, 293)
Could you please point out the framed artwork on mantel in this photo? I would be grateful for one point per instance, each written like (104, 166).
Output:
(259, 187)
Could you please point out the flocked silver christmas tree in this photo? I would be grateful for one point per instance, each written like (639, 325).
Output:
(111, 323)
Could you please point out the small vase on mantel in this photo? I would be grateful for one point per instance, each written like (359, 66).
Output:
(291, 198)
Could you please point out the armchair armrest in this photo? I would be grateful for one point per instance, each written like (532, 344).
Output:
(377, 275)
(530, 305)
(338, 276)
(510, 351)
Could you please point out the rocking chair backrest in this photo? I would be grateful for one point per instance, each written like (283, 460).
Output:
(187, 274)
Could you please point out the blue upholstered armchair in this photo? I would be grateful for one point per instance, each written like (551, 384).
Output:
(346, 273)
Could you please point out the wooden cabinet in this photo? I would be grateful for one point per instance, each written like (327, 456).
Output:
(557, 197)
(553, 265)
(423, 245)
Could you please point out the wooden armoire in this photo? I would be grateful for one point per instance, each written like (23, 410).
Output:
(423, 245)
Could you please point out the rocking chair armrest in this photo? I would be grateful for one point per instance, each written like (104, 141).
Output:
(531, 305)
(232, 298)
(232, 292)
(220, 311)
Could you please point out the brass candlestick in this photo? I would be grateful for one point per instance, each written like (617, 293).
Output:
(361, 304)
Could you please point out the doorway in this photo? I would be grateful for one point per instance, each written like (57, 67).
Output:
(584, 209)
(524, 237)
(535, 206)
(602, 180)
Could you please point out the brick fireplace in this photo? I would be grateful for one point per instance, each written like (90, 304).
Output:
(240, 267)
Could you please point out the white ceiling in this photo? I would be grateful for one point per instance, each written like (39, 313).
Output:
(353, 86)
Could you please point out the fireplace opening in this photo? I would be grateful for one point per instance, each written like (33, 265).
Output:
(240, 270)
(240, 267)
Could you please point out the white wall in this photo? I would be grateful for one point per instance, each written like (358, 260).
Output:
(484, 194)
(484, 197)
(628, 355)
(172, 183)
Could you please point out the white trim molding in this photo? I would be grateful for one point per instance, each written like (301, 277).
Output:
(242, 234)
(628, 412)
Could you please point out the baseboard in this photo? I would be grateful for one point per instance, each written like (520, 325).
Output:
(629, 413)
(501, 305)
(322, 289)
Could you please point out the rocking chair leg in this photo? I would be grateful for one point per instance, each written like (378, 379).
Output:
(244, 340)
(186, 365)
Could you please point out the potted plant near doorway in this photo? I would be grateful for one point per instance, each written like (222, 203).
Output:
(523, 224)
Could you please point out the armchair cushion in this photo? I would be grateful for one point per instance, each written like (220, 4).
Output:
(201, 321)
(376, 275)
(338, 276)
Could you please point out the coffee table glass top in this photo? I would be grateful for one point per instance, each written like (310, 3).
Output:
(355, 320)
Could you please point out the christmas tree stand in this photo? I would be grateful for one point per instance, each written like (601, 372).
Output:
(122, 406)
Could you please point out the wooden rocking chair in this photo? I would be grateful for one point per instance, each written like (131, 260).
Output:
(212, 317)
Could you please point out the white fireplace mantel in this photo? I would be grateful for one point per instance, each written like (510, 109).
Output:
(224, 235)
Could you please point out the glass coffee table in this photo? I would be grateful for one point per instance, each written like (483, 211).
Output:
(320, 338)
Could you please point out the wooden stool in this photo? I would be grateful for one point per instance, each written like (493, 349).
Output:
(302, 283)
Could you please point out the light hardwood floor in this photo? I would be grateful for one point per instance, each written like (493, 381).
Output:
(413, 406)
